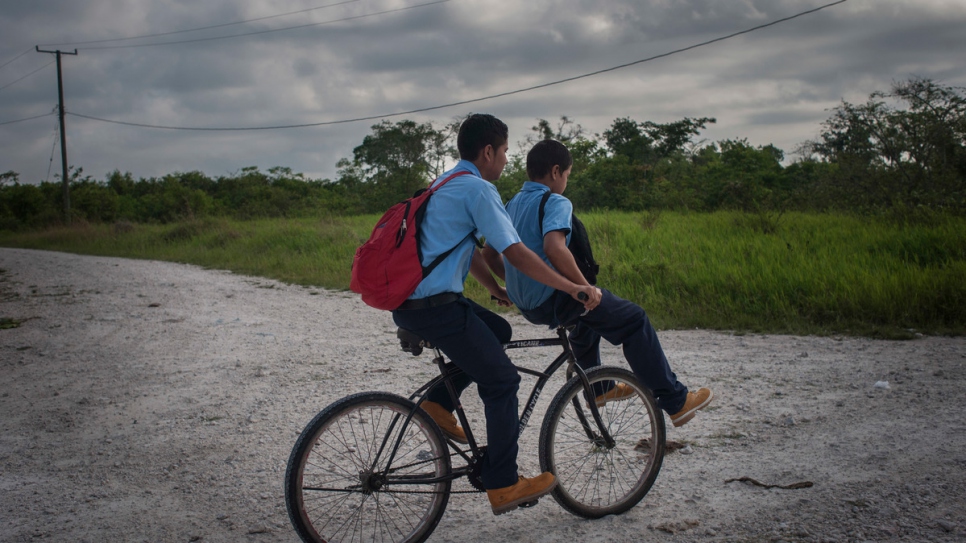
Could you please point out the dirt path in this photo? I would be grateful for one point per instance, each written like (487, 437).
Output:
(149, 401)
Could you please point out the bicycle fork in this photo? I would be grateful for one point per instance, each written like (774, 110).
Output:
(603, 439)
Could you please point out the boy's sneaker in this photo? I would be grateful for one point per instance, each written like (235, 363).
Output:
(524, 492)
(619, 392)
(446, 421)
(696, 401)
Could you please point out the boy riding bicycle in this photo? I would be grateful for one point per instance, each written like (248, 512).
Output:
(466, 208)
(617, 320)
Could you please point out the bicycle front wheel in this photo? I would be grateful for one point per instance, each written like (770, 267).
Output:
(594, 478)
(340, 485)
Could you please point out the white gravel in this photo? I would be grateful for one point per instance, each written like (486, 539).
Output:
(151, 401)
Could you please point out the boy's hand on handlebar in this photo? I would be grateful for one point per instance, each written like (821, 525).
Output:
(588, 295)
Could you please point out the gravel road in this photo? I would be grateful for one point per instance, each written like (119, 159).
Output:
(152, 401)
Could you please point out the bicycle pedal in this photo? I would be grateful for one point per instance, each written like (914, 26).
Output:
(527, 505)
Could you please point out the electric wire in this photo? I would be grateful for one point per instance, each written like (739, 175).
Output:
(16, 57)
(28, 75)
(473, 100)
(52, 147)
(159, 34)
(257, 32)
(26, 119)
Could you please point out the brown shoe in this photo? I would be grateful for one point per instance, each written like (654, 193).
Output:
(619, 392)
(506, 499)
(446, 421)
(696, 401)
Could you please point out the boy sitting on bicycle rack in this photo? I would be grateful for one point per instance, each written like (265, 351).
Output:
(618, 321)
(464, 209)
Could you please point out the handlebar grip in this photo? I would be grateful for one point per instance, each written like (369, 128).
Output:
(582, 296)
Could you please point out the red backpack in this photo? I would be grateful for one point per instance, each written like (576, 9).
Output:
(388, 267)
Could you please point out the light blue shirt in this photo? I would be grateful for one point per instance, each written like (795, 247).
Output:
(524, 210)
(462, 211)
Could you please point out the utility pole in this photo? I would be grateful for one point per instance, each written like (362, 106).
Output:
(63, 134)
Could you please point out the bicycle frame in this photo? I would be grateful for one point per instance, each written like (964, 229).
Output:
(448, 370)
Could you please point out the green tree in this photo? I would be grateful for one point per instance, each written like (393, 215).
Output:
(637, 166)
(901, 149)
(609, 183)
(744, 177)
(395, 160)
(9, 176)
(94, 201)
(649, 142)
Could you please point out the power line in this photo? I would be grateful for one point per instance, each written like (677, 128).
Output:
(15, 58)
(52, 147)
(473, 100)
(159, 34)
(257, 32)
(28, 75)
(27, 119)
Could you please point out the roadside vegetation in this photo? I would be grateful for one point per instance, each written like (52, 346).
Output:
(864, 233)
(816, 274)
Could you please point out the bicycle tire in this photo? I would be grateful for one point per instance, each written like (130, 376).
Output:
(333, 492)
(594, 480)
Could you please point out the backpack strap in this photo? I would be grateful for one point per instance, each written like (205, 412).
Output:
(543, 204)
(579, 244)
(439, 186)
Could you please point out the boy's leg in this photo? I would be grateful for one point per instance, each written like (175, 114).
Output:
(467, 340)
(586, 345)
(584, 341)
(625, 323)
(503, 332)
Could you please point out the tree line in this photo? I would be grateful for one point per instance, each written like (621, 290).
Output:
(902, 152)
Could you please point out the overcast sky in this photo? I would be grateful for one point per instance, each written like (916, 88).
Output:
(773, 86)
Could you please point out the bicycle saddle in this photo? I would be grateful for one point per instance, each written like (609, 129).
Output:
(411, 343)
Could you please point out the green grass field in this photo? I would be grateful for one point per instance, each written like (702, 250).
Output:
(810, 274)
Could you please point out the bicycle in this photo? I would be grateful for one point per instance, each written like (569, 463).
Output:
(375, 466)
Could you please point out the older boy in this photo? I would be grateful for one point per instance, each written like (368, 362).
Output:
(461, 211)
(618, 321)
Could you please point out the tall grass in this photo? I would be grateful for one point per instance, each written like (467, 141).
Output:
(812, 274)
(804, 273)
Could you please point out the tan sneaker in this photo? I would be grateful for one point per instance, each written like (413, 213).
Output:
(696, 401)
(616, 394)
(506, 499)
(446, 421)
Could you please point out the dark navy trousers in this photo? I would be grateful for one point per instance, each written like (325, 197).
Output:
(621, 323)
(472, 337)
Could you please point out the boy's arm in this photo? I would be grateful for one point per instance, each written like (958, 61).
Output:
(480, 272)
(555, 246)
(534, 267)
(494, 261)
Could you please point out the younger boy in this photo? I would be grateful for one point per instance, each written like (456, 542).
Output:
(618, 321)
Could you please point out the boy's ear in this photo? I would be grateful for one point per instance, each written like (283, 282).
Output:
(487, 153)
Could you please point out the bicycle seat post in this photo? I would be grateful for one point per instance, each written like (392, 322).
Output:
(448, 370)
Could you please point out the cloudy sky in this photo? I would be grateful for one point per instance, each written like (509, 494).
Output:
(325, 61)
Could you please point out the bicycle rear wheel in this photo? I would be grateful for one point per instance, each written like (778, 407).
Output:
(338, 486)
(595, 480)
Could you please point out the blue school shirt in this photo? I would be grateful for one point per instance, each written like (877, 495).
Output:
(524, 210)
(462, 211)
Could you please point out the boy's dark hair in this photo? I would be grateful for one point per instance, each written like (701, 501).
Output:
(477, 131)
(544, 156)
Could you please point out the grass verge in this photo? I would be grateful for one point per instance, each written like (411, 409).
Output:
(805, 274)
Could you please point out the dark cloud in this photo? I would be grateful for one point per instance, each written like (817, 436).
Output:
(772, 86)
